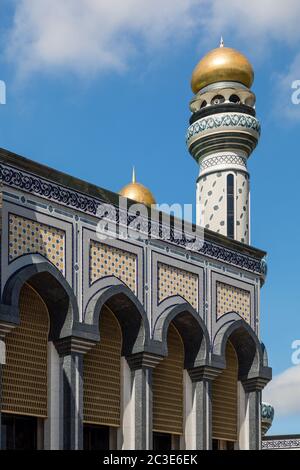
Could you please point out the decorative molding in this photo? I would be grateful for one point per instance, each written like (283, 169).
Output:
(52, 192)
(223, 120)
(273, 444)
(46, 189)
(224, 160)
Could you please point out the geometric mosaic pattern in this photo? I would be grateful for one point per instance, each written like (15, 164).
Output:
(175, 281)
(106, 260)
(28, 236)
(222, 121)
(224, 159)
(233, 299)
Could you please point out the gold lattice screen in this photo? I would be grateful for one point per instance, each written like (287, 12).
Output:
(108, 260)
(233, 299)
(25, 373)
(175, 281)
(168, 387)
(225, 399)
(29, 236)
(102, 369)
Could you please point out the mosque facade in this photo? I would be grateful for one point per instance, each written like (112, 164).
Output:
(148, 341)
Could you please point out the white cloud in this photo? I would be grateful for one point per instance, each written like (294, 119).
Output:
(88, 36)
(267, 19)
(283, 392)
(94, 35)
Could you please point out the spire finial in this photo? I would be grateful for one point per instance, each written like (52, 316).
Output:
(222, 42)
(133, 175)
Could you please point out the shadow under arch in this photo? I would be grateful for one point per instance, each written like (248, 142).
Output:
(251, 353)
(191, 328)
(127, 309)
(55, 291)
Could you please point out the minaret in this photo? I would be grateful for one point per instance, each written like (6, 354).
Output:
(222, 134)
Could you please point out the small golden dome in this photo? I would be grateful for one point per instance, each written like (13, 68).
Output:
(137, 192)
(222, 65)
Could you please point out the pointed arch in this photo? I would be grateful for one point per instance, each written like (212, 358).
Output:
(190, 326)
(250, 351)
(128, 311)
(57, 294)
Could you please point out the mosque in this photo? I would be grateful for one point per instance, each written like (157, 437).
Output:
(147, 342)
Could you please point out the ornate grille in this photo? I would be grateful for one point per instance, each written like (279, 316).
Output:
(224, 399)
(102, 369)
(25, 373)
(168, 387)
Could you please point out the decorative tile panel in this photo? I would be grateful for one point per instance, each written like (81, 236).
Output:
(29, 236)
(175, 281)
(233, 299)
(106, 260)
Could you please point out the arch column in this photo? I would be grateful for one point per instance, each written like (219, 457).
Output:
(71, 351)
(200, 437)
(253, 388)
(142, 365)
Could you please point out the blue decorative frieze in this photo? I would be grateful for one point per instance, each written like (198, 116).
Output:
(223, 120)
(47, 189)
(53, 192)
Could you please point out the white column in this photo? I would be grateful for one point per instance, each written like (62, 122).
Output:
(125, 438)
(52, 423)
(243, 418)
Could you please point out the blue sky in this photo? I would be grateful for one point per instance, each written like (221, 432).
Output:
(94, 87)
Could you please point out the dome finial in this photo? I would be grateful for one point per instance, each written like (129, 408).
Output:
(221, 42)
(133, 175)
(137, 192)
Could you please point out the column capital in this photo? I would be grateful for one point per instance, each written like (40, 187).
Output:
(6, 328)
(74, 344)
(143, 360)
(9, 319)
(255, 384)
(205, 372)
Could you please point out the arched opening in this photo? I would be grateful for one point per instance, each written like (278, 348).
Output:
(25, 375)
(230, 205)
(218, 99)
(168, 394)
(225, 403)
(102, 386)
(235, 99)
(44, 309)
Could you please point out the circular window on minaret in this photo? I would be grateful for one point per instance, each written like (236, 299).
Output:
(218, 99)
(235, 99)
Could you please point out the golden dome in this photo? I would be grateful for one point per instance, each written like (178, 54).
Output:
(137, 192)
(222, 65)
